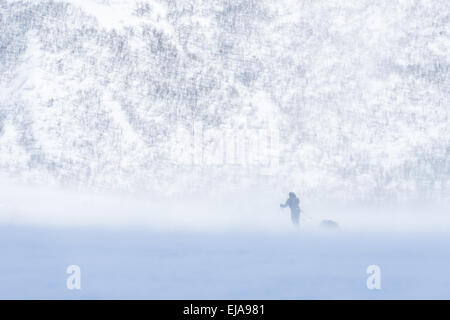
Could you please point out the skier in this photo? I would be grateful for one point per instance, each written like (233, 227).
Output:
(293, 203)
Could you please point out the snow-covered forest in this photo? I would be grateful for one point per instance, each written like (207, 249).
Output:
(351, 96)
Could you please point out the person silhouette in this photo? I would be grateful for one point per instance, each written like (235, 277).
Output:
(293, 203)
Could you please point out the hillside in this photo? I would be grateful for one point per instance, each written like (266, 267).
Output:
(348, 100)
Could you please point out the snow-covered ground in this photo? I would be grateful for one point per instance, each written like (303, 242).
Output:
(136, 264)
(185, 248)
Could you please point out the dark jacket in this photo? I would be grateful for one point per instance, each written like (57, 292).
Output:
(293, 203)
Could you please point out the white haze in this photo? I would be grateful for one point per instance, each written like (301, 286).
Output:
(253, 210)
